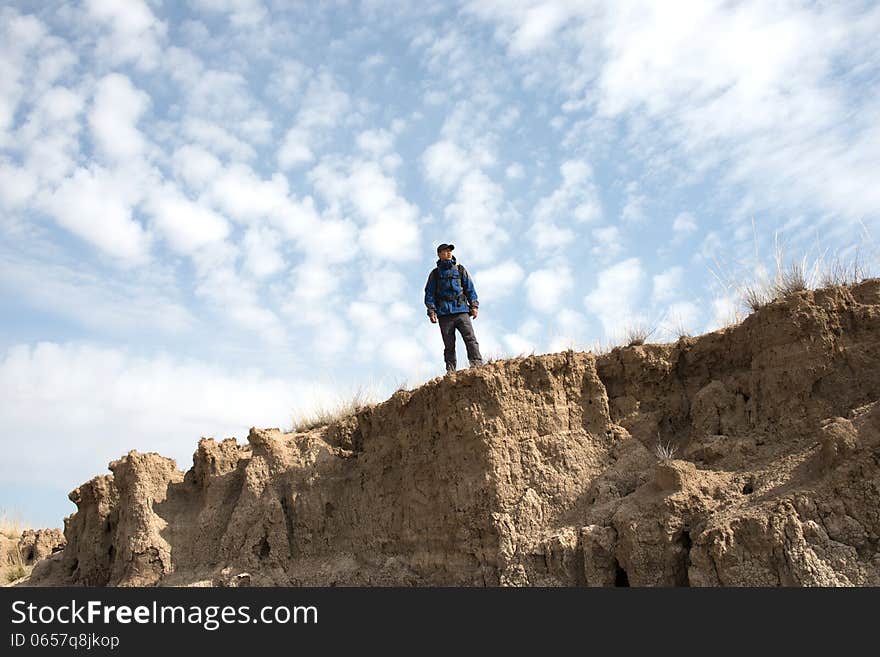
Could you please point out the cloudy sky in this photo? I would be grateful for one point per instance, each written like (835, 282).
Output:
(219, 213)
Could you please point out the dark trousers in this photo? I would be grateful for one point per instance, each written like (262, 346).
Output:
(462, 322)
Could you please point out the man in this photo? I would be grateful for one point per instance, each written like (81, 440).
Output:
(452, 300)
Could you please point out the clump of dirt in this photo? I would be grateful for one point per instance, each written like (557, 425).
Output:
(18, 554)
(537, 471)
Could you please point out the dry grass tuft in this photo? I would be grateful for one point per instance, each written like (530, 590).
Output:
(324, 415)
(666, 451)
(757, 289)
(10, 526)
(18, 569)
(838, 272)
(637, 334)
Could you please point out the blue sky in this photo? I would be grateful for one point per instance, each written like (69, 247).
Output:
(220, 213)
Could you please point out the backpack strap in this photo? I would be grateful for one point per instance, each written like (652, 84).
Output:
(462, 272)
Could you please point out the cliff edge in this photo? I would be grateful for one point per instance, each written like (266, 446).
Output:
(537, 471)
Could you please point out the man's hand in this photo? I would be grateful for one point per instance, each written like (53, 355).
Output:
(474, 312)
(433, 318)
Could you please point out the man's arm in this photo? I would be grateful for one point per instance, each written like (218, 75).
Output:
(470, 292)
(430, 302)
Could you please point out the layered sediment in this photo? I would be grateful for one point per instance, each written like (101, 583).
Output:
(537, 471)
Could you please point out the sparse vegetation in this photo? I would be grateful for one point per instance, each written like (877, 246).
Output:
(323, 415)
(665, 451)
(755, 296)
(760, 289)
(843, 273)
(637, 334)
(10, 526)
(600, 348)
(17, 570)
(791, 279)
(676, 329)
(681, 331)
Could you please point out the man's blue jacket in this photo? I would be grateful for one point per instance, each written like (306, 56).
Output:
(450, 289)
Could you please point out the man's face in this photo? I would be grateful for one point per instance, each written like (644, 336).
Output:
(445, 254)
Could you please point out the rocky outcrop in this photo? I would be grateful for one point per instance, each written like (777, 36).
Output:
(18, 554)
(537, 471)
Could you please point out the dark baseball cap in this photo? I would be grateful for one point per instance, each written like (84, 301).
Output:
(443, 247)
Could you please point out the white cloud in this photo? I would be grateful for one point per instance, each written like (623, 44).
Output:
(684, 223)
(472, 126)
(527, 26)
(55, 106)
(546, 289)
(186, 225)
(17, 186)
(758, 86)
(238, 298)
(766, 95)
(244, 196)
(548, 236)
(262, 257)
(525, 339)
(116, 110)
(195, 166)
(376, 143)
(286, 81)
(518, 345)
(478, 214)
(404, 354)
(725, 311)
(576, 198)
(313, 286)
(711, 247)
(332, 341)
(119, 307)
(382, 284)
(498, 282)
(329, 240)
(241, 13)
(607, 243)
(313, 301)
(667, 284)
(394, 236)
(97, 205)
(324, 107)
(568, 330)
(217, 139)
(107, 401)
(679, 318)
(515, 171)
(217, 107)
(614, 298)
(634, 210)
(131, 32)
(390, 229)
(436, 98)
(444, 164)
(49, 137)
(19, 35)
(447, 53)
(574, 201)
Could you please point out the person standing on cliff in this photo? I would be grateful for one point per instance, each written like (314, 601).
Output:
(451, 300)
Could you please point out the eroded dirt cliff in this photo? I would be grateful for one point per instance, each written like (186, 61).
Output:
(537, 471)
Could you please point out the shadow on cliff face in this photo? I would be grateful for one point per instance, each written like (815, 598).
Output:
(537, 471)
